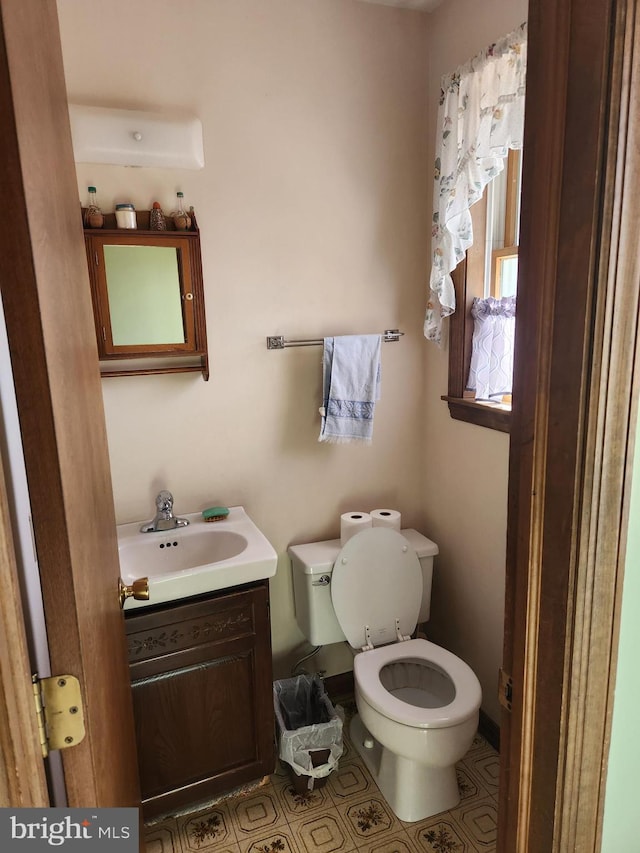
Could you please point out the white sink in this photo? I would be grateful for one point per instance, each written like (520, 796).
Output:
(203, 557)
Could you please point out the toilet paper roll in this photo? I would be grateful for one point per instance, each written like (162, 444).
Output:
(386, 518)
(352, 523)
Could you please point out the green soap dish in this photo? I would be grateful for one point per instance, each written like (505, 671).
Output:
(215, 513)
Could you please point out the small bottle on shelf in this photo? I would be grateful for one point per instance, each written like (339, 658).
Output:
(157, 221)
(93, 217)
(181, 219)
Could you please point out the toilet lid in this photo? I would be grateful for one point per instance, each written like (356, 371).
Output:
(376, 579)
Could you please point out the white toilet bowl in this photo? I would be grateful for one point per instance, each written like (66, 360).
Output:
(418, 703)
(418, 713)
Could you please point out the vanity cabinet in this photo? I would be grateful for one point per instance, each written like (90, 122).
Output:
(201, 680)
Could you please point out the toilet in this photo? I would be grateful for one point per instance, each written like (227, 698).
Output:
(417, 703)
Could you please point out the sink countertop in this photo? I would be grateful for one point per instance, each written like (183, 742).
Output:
(202, 557)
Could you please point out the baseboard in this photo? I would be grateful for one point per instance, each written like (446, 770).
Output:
(489, 730)
(339, 686)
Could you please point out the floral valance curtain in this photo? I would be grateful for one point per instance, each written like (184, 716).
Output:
(481, 117)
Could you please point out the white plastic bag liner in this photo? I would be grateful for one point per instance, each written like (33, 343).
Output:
(300, 700)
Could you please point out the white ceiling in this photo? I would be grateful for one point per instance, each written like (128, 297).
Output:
(422, 5)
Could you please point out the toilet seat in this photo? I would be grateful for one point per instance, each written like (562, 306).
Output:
(376, 580)
(468, 696)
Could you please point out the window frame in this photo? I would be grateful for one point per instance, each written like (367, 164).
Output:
(498, 256)
(468, 281)
(462, 405)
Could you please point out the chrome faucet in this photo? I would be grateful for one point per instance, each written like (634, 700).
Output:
(164, 519)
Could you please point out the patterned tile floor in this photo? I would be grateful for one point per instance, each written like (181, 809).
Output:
(348, 813)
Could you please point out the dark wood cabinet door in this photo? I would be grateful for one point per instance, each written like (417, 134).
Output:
(201, 681)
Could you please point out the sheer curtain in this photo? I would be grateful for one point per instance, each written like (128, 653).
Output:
(481, 116)
(494, 326)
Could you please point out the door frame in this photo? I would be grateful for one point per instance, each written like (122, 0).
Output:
(575, 407)
(22, 775)
(49, 320)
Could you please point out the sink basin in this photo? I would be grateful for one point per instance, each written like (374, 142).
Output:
(203, 557)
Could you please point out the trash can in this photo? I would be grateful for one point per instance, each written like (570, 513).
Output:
(309, 730)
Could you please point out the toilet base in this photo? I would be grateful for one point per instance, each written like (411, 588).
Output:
(413, 791)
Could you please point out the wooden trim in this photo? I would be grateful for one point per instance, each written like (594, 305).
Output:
(468, 280)
(187, 245)
(96, 242)
(459, 335)
(22, 778)
(107, 369)
(497, 257)
(481, 414)
(340, 686)
(489, 730)
(47, 306)
(608, 455)
(512, 199)
(143, 218)
(574, 404)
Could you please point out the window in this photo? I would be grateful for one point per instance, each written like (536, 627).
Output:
(503, 221)
(489, 269)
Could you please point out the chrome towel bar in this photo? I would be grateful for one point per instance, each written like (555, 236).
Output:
(279, 342)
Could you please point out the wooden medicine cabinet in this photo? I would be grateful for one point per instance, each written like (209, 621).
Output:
(148, 299)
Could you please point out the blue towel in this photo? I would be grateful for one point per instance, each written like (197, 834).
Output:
(351, 386)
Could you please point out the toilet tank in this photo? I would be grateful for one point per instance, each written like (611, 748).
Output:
(312, 565)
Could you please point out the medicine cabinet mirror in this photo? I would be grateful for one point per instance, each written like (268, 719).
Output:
(148, 299)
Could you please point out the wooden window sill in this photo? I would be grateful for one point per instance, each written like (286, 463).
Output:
(481, 414)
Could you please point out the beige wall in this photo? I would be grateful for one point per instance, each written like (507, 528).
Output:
(313, 209)
(465, 486)
(314, 206)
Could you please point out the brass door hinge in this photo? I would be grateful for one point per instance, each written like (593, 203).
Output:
(505, 690)
(59, 711)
